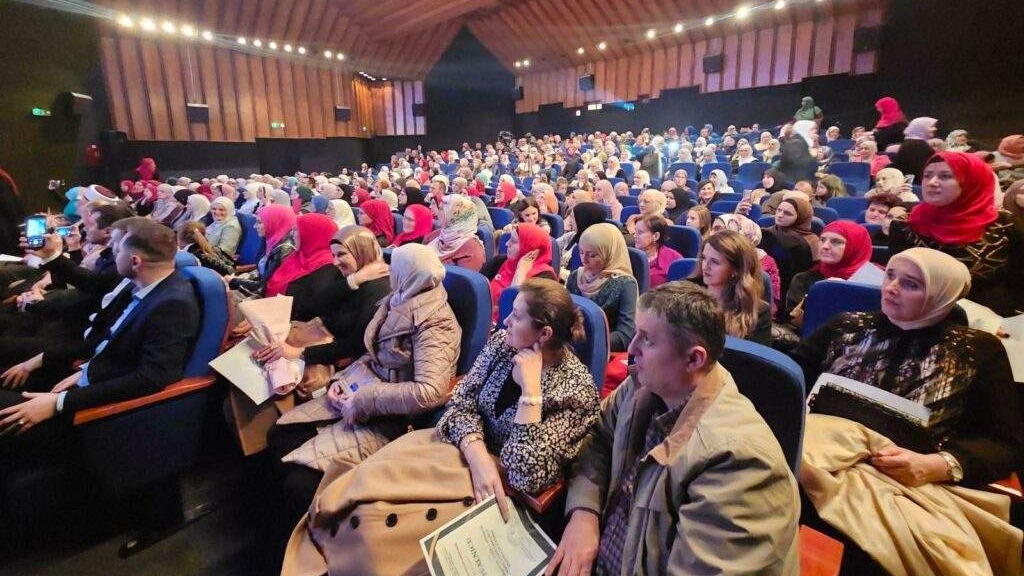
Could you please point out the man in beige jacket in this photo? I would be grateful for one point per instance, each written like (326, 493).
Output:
(681, 475)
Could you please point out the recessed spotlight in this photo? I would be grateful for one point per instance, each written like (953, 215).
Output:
(168, 27)
(340, 56)
(709, 21)
(526, 62)
(678, 28)
(651, 34)
(580, 50)
(125, 21)
(287, 47)
(602, 45)
(328, 54)
(302, 49)
(272, 45)
(148, 24)
(780, 4)
(579, 113)
(257, 43)
(188, 30)
(207, 35)
(518, 64)
(242, 40)
(742, 12)
(384, 79)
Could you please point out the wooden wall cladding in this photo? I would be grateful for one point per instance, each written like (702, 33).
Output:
(392, 108)
(784, 53)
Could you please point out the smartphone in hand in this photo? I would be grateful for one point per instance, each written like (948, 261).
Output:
(35, 229)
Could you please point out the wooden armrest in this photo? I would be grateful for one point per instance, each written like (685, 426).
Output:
(179, 388)
(243, 268)
(539, 503)
(820, 555)
(1009, 486)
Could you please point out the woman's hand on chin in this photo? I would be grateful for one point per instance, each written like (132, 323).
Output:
(910, 468)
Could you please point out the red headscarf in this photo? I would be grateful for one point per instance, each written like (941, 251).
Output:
(361, 196)
(857, 251)
(506, 192)
(314, 235)
(205, 190)
(146, 169)
(423, 223)
(890, 112)
(531, 237)
(381, 220)
(964, 220)
(277, 221)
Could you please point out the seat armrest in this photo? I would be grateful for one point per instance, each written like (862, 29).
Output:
(243, 268)
(539, 503)
(1009, 486)
(820, 555)
(179, 388)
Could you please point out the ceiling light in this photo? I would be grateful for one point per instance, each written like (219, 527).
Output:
(526, 62)
(709, 21)
(302, 49)
(678, 28)
(287, 47)
(168, 27)
(125, 20)
(384, 79)
(188, 30)
(518, 64)
(602, 45)
(742, 12)
(340, 56)
(780, 4)
(580, 50)
(148, 24)
(272, 45)
(651, 34)
(241, 40)
(328, 54)
(257, 43)
(207, 35)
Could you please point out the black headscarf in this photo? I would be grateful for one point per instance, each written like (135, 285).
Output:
(780, 181)
(683, 204)
(413, 196)
(182, 196)
(586, 215)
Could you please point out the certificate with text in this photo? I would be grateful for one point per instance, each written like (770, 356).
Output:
(480, 543)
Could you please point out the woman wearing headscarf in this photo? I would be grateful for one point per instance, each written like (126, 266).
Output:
(224, 231)
(912, 154)
(412, 344)
(390, 197)
(169, 205)
(677, 203)
(341, 213)
(891, 122)
(410, 197)
(302, 199)
(605, 193)
(773, 187)
(456, 242)
(417, 222)
(771, 154)
(1009, 159)
(309, 268)
(958, 216)
(585, 215)
(808, 111)
(891, 187)
(275, 224)
(528, 255)
(721, 182)
(251, 198)
(845, 249)
(376, 216)
(857, 481)
(282, 198)
(486, 426)
(957, 141)
(506, 194)
(829, 187)
(319, 204)
(793, 219)
(731, 271)
(606, 277)
(796, 162)
(545, 196)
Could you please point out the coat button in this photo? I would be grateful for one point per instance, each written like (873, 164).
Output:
(431, 514)
(354, 522)
(391, 520)
(467, 501)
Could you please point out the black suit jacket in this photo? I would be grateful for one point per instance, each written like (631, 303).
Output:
(147, 352)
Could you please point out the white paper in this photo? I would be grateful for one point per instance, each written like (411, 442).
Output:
(983, 318)
(1014, 326)
(238, 367)
(868, 274)
(9, 258)
(909, 408)
(479, 543)
(980, 317)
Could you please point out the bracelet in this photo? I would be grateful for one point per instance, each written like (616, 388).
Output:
(956, 472)
(530, 400)
(469, 439)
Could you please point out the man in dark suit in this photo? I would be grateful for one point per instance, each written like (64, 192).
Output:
(139, 342)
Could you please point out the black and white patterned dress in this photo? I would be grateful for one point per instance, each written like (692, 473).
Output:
(533, 455)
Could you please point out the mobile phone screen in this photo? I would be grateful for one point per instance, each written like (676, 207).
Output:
(64, 230)
(35, 227)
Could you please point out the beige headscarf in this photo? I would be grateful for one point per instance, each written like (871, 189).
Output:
(360, 243)
(660, 201)
(415, 269)
(946, 280)
(343, 215)
(606, 239)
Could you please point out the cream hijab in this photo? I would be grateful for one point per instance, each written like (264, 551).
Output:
(343, 215)
(606, 239)
(415, 269)
(946, 280)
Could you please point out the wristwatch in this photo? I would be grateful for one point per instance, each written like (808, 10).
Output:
(956, 473)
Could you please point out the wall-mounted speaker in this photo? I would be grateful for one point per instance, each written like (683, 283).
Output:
(72, 104)
(196, 112)
(517, 93)
(342, 114)
(867, 39)
(419, 110)
(714, 63)
(586, 82)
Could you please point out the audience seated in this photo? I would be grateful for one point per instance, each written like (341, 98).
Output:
(699, 218)
(412, 345)
(731, 271)
(456, 242)
(606, 277)
(520, 414)
(652, 203)
(677, 436)
(528, 255)
(192, 239)
(375, 215)
(417, 223)
(793, 221)
(584, 215)
(828, 187)
(752, 232)
(274, 224)
(845, 249)
(224, 232)
(974, 434)
(649, 237)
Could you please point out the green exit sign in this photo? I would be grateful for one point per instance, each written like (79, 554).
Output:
(277, 125)
(40, 112)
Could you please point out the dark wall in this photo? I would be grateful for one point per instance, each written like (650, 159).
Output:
(45, 53)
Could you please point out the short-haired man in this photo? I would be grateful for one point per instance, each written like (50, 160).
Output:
(680, 475)
(138, 341)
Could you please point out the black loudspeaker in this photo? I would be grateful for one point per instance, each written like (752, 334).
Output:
(114, 147)
(197, 113)
(714, 63)
(72, 104)
(517, 93)
(342, 114)
(586, 83)
(867, 39)
(419, 110)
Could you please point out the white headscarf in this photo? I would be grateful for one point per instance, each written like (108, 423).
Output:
(415, 269)
(803, 129)
(460, 226)
(723, 182)
(343, 215)
(216, 228)
(946, 280)
(198, 207)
